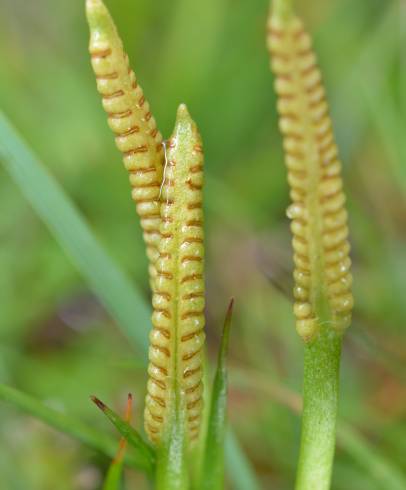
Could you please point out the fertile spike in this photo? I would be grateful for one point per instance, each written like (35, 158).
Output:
(130, 119)
(319, 219)
(177, 338)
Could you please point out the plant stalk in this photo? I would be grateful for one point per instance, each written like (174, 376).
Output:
(320, 403)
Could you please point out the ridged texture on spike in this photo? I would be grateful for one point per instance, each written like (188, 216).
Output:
(319, 219)
(130, 119)
(177, 338)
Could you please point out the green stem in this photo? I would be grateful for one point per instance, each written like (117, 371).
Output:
(320, 401)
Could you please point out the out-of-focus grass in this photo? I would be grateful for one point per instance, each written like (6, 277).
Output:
(56, 340)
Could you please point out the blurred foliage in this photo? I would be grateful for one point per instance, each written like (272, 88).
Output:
(56, 340)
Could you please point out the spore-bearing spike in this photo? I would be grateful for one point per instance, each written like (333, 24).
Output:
(319, 220)
(177, 338)
(130, 119)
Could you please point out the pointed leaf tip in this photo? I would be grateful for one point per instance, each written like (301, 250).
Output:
(114, 474)
(144, 452)
(99, 403)
(213, 463)
(230, 309)
(226, 333)
(129, 408)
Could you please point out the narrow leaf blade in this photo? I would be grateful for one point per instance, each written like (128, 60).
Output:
(239, 467)
(119, 296)
(373, 461)
(144, 452)
(114, 474)
(213, 466)
(66, 424)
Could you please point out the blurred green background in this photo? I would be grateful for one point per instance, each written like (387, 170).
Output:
(56, 340)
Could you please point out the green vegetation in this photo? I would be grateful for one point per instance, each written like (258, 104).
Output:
(71, 316)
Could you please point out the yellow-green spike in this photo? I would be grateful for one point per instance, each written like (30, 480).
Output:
(130, 119)
(177, 338)
(319, 219)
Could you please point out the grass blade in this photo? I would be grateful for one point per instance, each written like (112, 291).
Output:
(372, 461)
(46, 196)
(213, 465)
(66, 424)
(240, 471)
(114, 474)
(145, 454)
